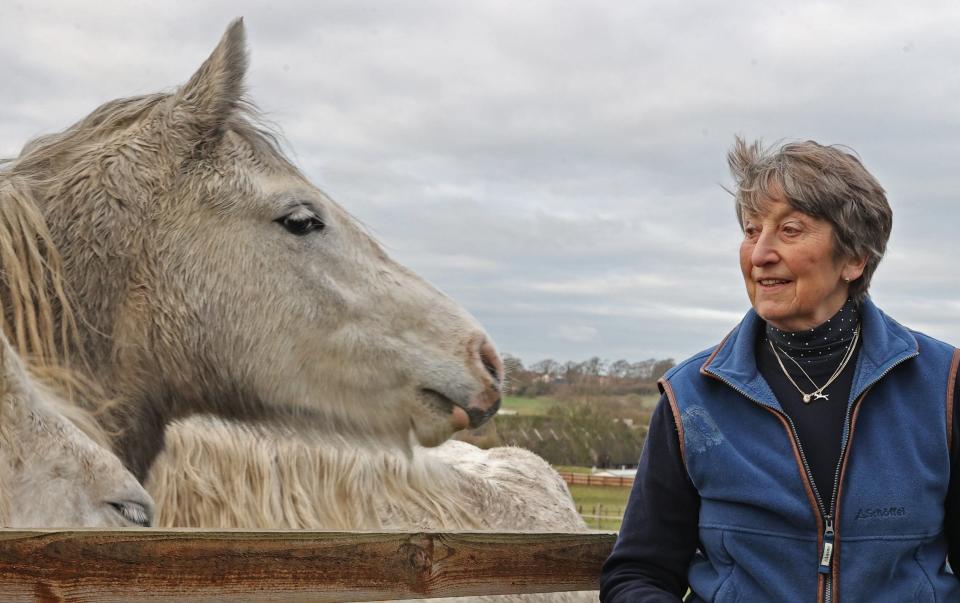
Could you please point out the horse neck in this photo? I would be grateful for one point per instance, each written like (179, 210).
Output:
(147, 408)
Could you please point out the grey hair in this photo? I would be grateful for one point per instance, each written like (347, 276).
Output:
(825, 182)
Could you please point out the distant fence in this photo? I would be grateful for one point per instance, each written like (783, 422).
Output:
(585, 479)
(291, 565)
(601, 516)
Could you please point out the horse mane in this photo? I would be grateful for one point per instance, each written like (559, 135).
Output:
(8, 448)
(43, 159)
(218, 472)
(4, 503)
(36, 314)
(226, 474)
(33, 296)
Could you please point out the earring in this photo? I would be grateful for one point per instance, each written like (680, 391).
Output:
(846, 279)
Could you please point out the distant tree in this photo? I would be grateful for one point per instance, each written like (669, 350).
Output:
(512, 365)
(661, 367)
(642, 369)
(518, 379)
(580, 380)
(595, 367)
(549, 367)
(572, 371)
(619, 369)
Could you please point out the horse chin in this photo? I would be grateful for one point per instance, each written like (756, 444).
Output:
(459, 419)
(437, 418)
(432, 433)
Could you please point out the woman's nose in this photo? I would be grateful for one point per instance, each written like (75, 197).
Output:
(765, 251)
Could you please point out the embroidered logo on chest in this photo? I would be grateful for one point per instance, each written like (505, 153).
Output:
(700, 430)
(881, 513)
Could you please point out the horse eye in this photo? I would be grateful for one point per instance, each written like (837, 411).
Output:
(301, 225)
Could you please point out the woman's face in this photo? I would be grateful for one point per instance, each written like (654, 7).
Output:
(792, 277)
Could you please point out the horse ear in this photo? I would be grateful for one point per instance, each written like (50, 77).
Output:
(215, 90)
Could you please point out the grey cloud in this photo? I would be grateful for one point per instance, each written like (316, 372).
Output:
(554, 166)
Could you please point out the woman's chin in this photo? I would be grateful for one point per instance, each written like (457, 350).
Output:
(777, 316)
(769, 310)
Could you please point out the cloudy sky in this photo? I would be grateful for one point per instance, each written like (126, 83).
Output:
(554, 166)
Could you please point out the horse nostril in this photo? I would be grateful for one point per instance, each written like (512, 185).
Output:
(479, 417)
(491, 362)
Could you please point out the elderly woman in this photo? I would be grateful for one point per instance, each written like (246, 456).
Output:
(811, 455)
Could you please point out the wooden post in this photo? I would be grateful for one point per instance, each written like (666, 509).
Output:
(291, 565)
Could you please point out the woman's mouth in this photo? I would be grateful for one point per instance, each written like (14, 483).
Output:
(772, 284)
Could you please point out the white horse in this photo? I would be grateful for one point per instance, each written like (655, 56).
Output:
(210, 277)
(51, 473)
(223, 474)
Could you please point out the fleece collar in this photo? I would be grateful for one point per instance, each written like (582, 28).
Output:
(886, 343)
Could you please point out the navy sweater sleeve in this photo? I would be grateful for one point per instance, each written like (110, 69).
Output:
(659, 535)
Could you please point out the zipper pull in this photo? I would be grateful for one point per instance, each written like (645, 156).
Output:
(826, 556)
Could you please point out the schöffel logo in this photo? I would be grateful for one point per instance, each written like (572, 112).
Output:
(881, 512)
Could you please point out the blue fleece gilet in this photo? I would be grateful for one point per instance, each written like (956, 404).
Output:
(762, 531)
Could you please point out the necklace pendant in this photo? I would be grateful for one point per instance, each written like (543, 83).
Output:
(806, 398)
(820, 396)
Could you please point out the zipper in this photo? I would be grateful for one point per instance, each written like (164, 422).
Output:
(849, 425)
(827, 555)
(827, 558)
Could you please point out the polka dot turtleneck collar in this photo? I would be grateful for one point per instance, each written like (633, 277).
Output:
(827, 341)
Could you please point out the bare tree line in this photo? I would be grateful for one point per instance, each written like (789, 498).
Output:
(592, 376)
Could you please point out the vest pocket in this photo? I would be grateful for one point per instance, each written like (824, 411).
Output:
(728, 592)
(925, 592)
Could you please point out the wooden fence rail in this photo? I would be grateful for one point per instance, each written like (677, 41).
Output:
(291, 565)
(585, 479)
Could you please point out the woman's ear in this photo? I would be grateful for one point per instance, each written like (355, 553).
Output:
(853, 268)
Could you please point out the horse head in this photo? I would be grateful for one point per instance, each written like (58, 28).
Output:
(51, 473)
(209, 275)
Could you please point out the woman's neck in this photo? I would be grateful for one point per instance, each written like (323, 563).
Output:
(827, 341)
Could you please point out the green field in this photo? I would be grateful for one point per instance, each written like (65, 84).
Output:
(587, 498)
(590, 498)
(635, 406)
(573, 469)
(529, 406)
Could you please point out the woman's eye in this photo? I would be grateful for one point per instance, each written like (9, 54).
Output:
(750, 230)
(301, 224)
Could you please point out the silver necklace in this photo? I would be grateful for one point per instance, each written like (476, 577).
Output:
(817, 394)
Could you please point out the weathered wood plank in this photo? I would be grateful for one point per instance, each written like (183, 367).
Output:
(282, 565)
